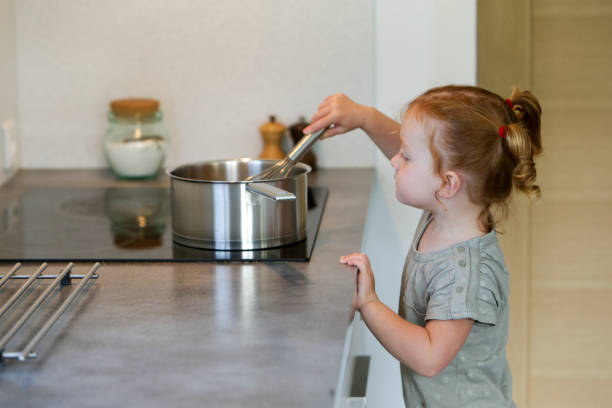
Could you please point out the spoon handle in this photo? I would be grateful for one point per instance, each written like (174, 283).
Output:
(304, 145)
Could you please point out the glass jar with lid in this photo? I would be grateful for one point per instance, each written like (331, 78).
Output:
(135, 143)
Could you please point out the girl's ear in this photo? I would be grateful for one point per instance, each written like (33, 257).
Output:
(452, 184)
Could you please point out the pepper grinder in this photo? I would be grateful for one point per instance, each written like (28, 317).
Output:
(296, 131)
(272, 135)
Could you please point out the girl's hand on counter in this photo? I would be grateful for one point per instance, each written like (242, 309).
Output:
(342, 112)
(365, 291)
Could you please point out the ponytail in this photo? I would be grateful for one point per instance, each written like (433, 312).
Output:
(524, 140)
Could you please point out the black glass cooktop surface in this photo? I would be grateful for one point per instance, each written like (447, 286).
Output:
(120, 224)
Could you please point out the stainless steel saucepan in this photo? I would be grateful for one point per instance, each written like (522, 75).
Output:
(214, 208)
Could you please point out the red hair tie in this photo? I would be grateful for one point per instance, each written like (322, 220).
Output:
(502, 131)
(509, 102)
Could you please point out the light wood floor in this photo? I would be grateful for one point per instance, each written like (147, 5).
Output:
(559, 251)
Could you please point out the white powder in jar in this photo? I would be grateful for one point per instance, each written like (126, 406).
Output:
(136, 157)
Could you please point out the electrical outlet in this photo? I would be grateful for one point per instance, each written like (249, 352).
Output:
(8, 134)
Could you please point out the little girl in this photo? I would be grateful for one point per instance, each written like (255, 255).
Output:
(458, 155)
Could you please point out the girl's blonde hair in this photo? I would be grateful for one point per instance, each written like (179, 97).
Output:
(464, 124)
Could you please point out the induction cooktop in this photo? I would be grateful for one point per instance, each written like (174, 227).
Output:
(121, 224)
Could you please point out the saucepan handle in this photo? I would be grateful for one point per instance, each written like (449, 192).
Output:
(270, 191)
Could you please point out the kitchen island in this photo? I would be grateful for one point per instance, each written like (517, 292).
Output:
(199, 333)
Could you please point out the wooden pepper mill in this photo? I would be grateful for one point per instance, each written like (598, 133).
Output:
(272, 135)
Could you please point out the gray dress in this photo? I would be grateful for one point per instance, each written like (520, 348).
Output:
(466, 280)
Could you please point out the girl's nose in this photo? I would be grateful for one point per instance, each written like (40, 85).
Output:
(395, 160)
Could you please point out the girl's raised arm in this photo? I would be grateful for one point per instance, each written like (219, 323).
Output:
(346, 115)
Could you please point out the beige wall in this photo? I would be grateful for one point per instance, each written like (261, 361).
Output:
(558, 250)
(503, 62)
(571, 282)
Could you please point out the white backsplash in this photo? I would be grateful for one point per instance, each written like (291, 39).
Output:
(218, 68)
(9, 160)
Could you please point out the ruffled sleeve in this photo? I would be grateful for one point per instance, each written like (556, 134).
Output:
(466, 286)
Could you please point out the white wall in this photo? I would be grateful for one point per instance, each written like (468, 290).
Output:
(8, 73)
(218, 67)
(419, 44)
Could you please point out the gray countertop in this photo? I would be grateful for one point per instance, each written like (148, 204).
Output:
(196, 334)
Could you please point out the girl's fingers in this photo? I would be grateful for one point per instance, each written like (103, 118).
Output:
(359, 262)
(333, 97)
(318, 123)
(333, 131)
(364, 278)
(321, 112)
(325, 103)
(353, 256)
(345, 258)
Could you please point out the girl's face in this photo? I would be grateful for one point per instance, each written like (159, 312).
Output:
(415, 181)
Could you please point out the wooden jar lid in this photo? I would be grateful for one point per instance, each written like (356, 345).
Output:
(134, 107)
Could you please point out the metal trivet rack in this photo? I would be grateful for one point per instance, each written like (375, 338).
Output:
(63, 278)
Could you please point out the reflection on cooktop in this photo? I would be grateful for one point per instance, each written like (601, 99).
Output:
(120, 224)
